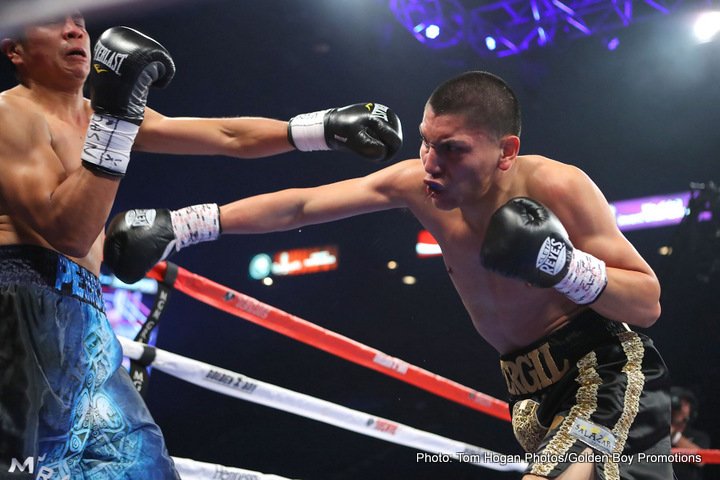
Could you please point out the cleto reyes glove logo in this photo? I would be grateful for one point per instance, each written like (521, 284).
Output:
(551, 257)
(109, 58)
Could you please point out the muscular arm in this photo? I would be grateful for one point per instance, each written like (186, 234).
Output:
(243, 137)
(391, 187)
(632, 294)
(62, 202)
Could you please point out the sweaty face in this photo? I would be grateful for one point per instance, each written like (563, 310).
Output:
(460, 161)
(56, 51)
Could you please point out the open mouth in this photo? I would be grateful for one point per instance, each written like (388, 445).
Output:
(433, 187)
(76, 52)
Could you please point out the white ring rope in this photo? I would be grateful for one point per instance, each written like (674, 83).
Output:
(240, 386)
(194, 470)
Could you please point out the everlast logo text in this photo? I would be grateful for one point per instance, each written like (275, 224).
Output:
(379, 111)
(111, 59)
(533, 371)
(551, 258)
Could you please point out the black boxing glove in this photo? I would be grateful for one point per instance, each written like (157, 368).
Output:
(525, 240)
(125, 64)
(138, 239)
(369, 129)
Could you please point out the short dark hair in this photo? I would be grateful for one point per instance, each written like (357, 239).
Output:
(485, 99)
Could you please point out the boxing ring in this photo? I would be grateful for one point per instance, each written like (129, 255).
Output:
(240, 386)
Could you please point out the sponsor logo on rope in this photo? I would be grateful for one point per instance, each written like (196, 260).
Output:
(233, 381)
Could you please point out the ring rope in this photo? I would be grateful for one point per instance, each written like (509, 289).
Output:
(240, 386)
(241, 305)
(194, 470)
(244, 306)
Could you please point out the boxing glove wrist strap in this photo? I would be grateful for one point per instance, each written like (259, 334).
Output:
(195, 224)
(306, 132)
(586, 278)
(108, 143)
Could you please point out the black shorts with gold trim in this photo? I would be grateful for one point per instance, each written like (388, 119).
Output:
(592, 391)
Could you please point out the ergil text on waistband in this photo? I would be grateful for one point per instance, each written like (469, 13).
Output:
(537, 369)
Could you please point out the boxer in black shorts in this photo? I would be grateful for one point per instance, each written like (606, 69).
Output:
(529, 243)
(595, 384)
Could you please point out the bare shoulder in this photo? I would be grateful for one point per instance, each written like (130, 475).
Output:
(25, 129)
(572, 195)
(18, 112)
(545, 177)
(399, 180)
(401, 174)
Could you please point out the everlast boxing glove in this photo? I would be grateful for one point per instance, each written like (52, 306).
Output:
(525, 240)
(125, 64)
(138, 239)
(369, 129)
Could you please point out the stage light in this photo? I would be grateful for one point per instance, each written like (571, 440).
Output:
(436, 23)
(490, 43)
(260, 266)
(707, 26)
(432, 32)
(542, 36)
(501, 28)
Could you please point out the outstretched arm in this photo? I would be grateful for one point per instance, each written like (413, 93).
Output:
(370, 130)
(242, 137)
(138, 239)
(293, 208)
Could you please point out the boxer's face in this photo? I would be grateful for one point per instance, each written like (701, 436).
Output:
(460, 161)
(55, 50)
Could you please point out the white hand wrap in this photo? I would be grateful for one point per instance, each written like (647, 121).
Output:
(195, 224)
(586, 278)
(307, 131)
(108, 143)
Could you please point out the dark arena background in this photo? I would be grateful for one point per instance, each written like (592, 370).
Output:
(623, 90)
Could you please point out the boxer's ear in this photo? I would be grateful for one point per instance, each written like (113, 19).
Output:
(10, 48)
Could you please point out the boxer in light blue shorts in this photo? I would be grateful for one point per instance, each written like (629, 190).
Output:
(67, 408)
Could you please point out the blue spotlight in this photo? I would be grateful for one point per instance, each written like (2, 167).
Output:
(542, 36)
(490, 43)
(613, 43)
